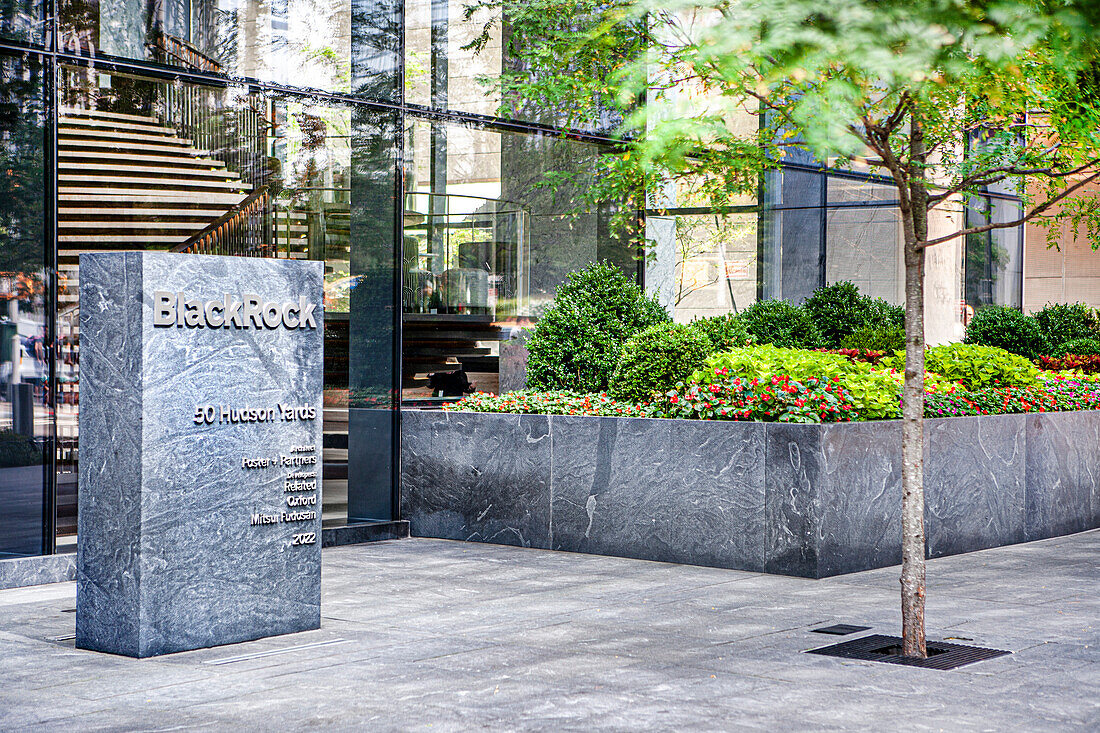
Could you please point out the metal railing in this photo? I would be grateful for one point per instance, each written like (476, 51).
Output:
(313, 222)
(168, 48)
(243, 231)
(229, 123)
(233, 131)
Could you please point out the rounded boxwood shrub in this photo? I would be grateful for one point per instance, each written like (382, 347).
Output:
(1006, 328)
(838, 310)
(779, 323)
(885, 337)
(1062, 322)
(1080, 347)
(724, 332)
(655, 359)
(577, 341)
(879, 312)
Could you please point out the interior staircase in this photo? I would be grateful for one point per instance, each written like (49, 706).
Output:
(130, 182)
(124, 182)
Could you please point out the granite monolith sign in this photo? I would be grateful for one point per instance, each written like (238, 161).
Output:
(200, 450)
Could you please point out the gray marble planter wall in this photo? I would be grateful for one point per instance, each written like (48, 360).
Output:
(20, 572)
(609, 486)
(805, 500)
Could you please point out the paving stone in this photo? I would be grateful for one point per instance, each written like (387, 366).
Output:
(452, 636)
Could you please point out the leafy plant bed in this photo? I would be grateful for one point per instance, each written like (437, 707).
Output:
(810, 500)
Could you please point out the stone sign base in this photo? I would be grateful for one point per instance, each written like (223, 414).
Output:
(200, 444)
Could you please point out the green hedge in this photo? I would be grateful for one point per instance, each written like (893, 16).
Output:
(1063, 322)
(578, 340)
(782, 324)
(1007, 328)
(655, 359)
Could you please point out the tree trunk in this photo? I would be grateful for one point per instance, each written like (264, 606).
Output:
(912, 414)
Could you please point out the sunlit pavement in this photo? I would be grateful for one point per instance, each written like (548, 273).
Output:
(455, 636)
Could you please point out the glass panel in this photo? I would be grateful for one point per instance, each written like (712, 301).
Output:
(150, 164)
(486, 243)
(439, 70)
(304, 43)
(844, 190)
(993, 265)
(25, 414)
(790, 187)
(22, 20)
(792, 252)
(865, 247)
(444, 69)
(716, 265)
(376, 41)
(373, 347)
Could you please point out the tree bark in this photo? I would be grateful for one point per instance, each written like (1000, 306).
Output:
(915, 223)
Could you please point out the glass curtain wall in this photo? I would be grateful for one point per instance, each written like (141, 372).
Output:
(150, 163)
(485, 244)
(26, 417)
(820, 227)
(298, 43)
(357, 132)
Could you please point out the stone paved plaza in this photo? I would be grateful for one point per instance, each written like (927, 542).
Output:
(429, 634)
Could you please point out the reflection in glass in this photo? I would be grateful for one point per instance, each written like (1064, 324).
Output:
(864, 246)
(716, 265)
(21, 20)
(25, 404)
(486, 242)
(304, 43)
(456, 50)
(372, 438)
(993, 260)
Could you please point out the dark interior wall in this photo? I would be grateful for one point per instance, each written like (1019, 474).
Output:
(549, 176)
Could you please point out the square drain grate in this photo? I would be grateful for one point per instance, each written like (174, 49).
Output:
(881, 648)
(840, 629)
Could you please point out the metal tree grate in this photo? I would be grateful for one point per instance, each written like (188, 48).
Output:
(880, 648)
(840, 629)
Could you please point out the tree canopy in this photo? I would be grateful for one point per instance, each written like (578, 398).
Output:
(709, 94)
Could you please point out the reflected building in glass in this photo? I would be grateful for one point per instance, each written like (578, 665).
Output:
(360, 133)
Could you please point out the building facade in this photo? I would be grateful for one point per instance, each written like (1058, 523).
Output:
(364, 133)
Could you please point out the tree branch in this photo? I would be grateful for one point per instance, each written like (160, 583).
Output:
(880, 143)
(995, 175)
(1009, 224)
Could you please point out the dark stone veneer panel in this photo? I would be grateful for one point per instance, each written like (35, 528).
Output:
(1063, 473)
(659, 490)
(471, 476)
(859, 497)
(793, 464)
(974, 473)
(805, 500)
